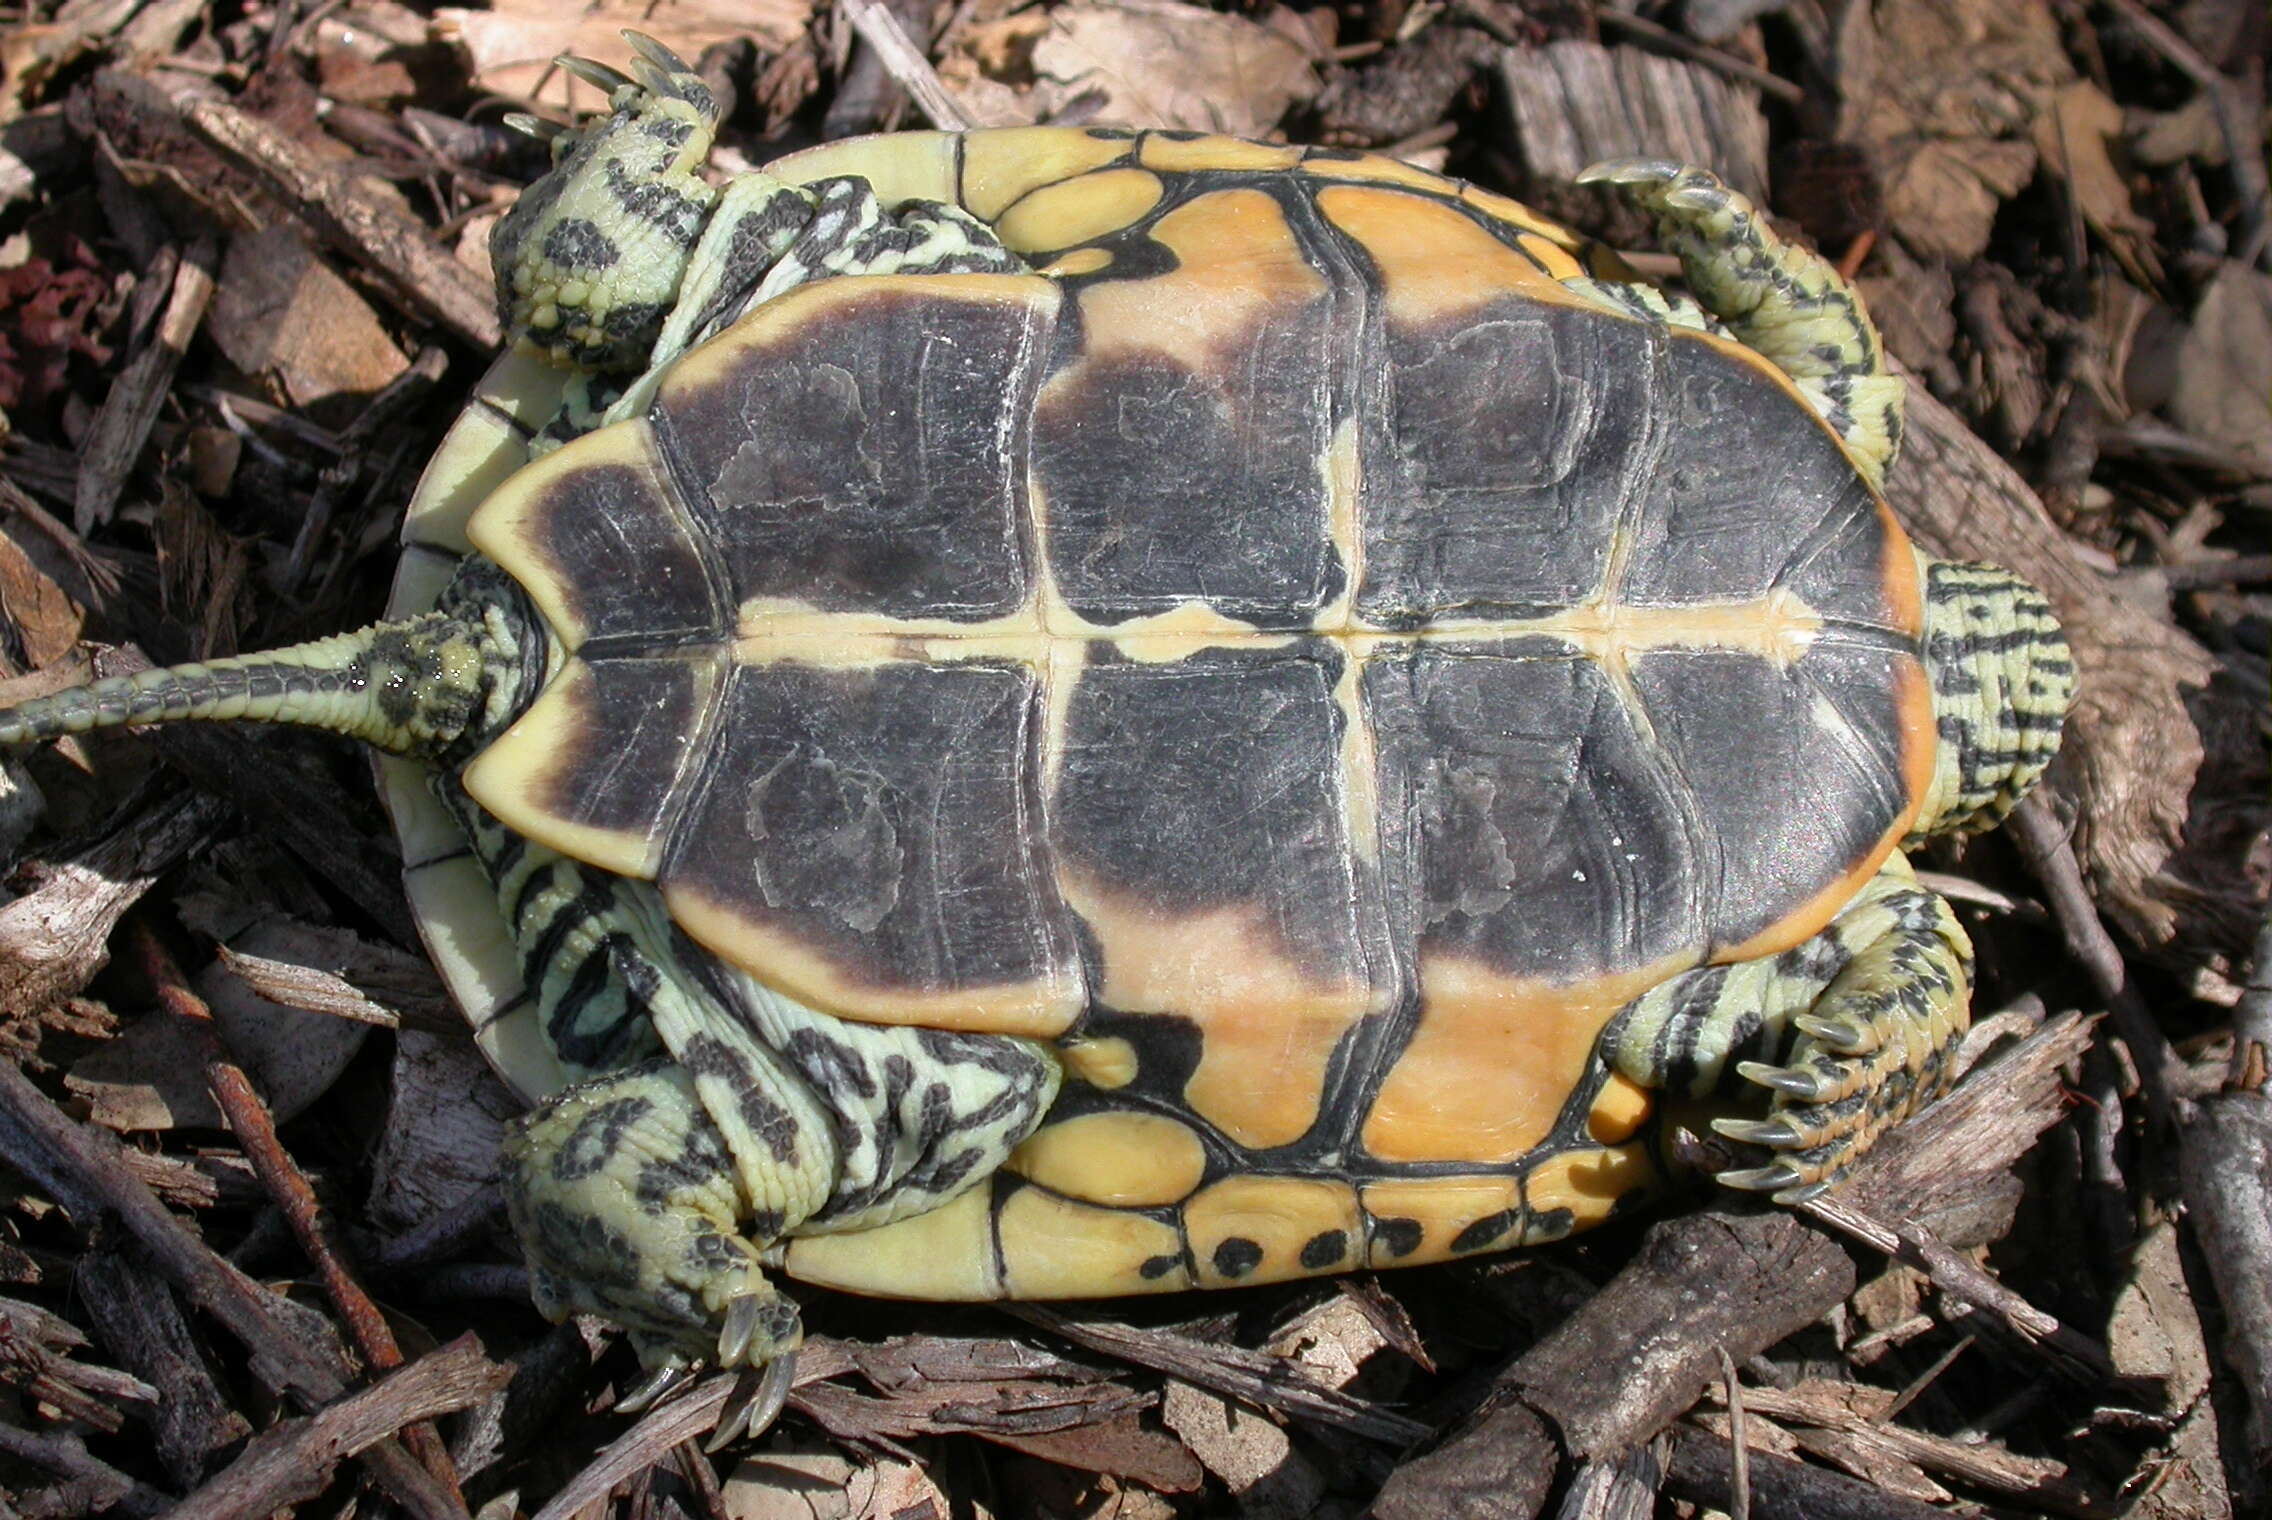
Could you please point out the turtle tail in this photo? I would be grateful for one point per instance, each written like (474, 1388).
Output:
(409, 688)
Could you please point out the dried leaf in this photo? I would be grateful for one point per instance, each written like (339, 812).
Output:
(1946, 93)
(2224, 366)
(1943, 199)
(1160, 64)
(152, 1077)
(2072, 137)
(512, 44)
(42, 619)
(280, 310)
(1245, 1449)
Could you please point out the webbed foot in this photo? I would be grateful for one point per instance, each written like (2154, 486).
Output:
(1863, 1016)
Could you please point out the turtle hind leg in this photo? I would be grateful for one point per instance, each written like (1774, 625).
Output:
(1862, 1019)
(629, 1205)
(1785, 302)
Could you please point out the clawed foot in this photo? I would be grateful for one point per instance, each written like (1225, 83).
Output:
(629, 1206)
(1875, 1050)
(588, 260)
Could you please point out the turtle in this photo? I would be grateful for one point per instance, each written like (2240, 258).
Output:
(1067, 711)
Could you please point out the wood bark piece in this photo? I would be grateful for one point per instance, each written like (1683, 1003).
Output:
(1577, 103)
(293, 1461)
(2070, 1351)
(903, 60)
(33, 1356)
(340, 975)
(255, 1128)
(55, 938)
(372, 230)
(83, 1170)
(1781, 1487)
(1249, 1376)
(1859, 1413)
(682, 1418)
(101, 1487)
(1640, 1352)
(2226, 1166)
(2132, 748)
(141, 1322)
(258, 773)
(131, 408)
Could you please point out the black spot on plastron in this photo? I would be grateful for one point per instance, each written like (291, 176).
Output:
(1237, 1256)
(1398, 1237)
(1553, 1224)
(1486, 1232)
(577, 243)
(1324, 1250)
(1157, 1267)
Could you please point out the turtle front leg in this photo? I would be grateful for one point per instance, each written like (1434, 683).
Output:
(1786, 302)
(1852, 1031)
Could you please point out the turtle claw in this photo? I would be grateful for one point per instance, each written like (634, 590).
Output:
(1777, 1133)
(1806, 1086)
(1771, 1178)
(1841, 1036)
(1630, 171)
(598, 75)
(739, 1330)
(757, 1401)
(534, 126)
(663, 72)
(650, 1389)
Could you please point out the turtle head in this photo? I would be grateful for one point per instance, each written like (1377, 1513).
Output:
(589, 259)
(427, 686)
(2003, 679)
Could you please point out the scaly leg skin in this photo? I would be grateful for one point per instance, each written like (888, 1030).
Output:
(1786, 302)
(590, 257)
(2003, 679)
(1863, 1016)
(1651, 304)
(629, 1205)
